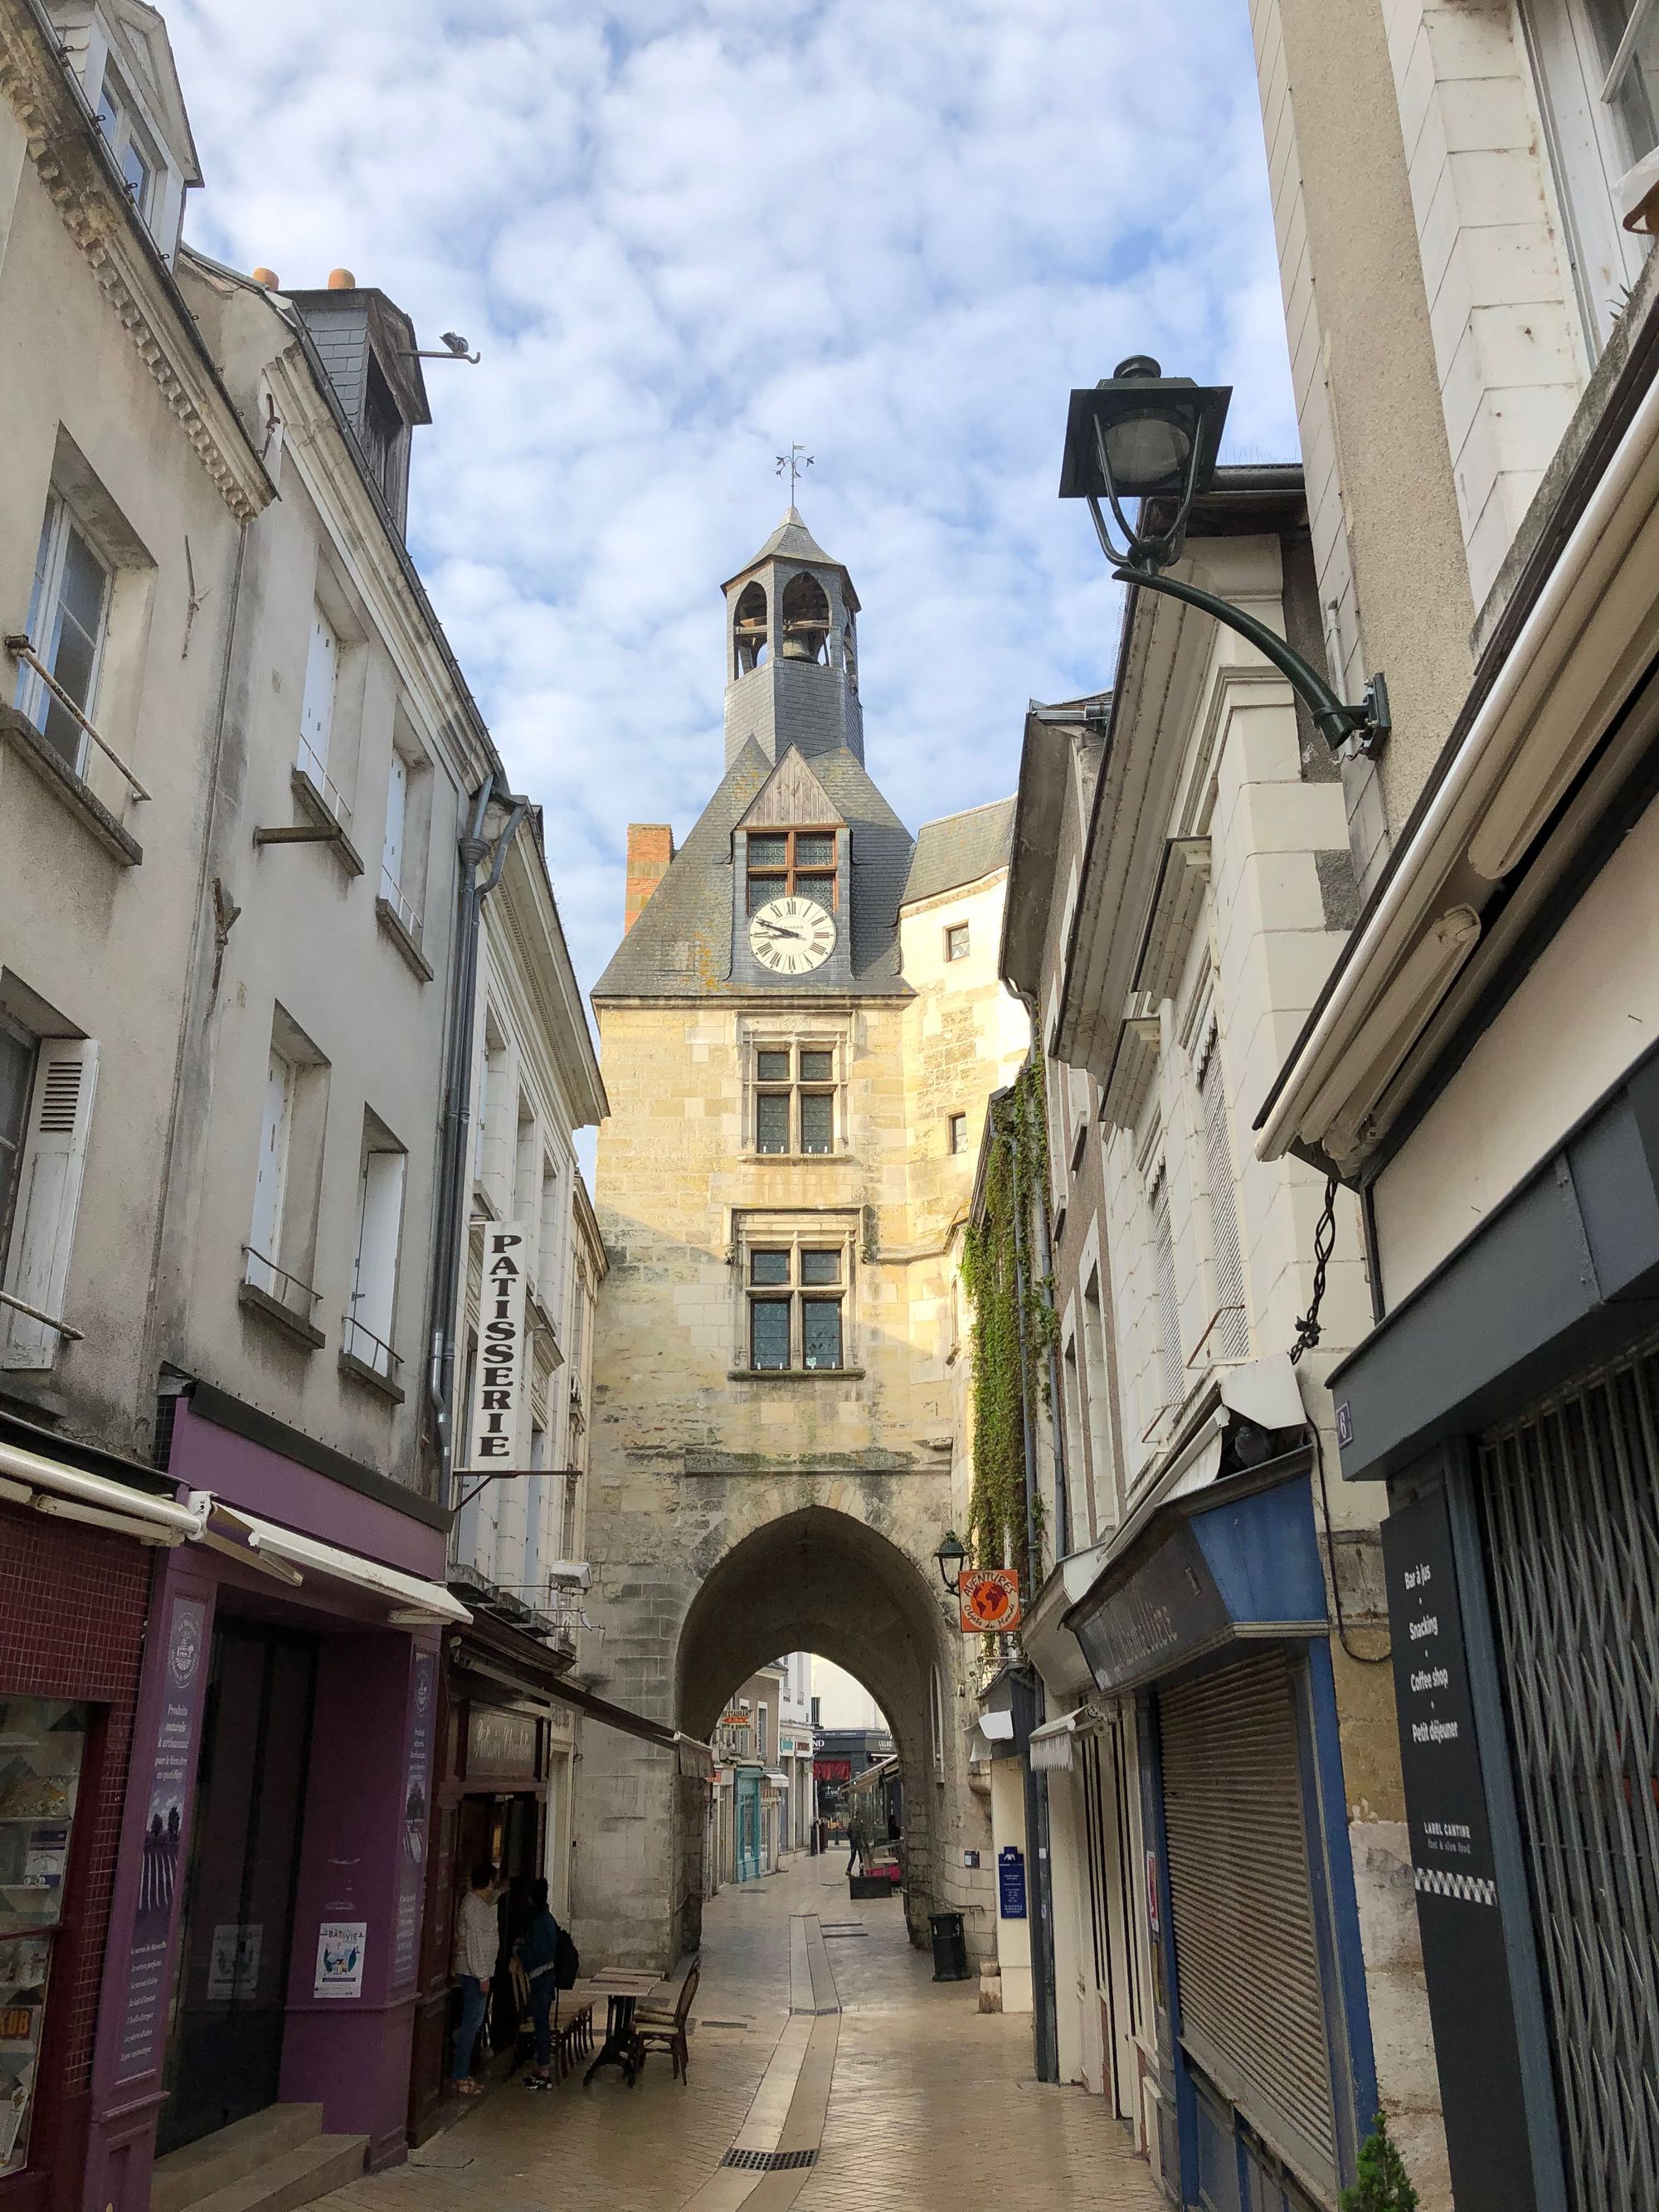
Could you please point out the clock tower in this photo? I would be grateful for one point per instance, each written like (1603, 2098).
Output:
(798, 1032)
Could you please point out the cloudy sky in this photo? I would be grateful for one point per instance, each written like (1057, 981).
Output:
(687, 231)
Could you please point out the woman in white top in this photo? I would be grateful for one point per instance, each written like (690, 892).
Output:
(477, 1939)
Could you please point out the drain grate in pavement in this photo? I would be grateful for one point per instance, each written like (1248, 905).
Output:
(704, 2021)
(851, 1927)
(770, 2161)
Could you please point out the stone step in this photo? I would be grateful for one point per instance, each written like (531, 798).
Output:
(184, 2177)
(297, 2176)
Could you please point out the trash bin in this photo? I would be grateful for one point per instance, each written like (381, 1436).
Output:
(950, 1947)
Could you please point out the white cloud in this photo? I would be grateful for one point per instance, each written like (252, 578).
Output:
(684, 231)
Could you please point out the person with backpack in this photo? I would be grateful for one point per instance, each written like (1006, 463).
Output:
(549, 1959)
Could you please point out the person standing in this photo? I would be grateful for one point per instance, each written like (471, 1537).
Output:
(538, 1950)
(477, 1939)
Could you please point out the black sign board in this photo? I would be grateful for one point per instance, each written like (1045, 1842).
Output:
(1459, 1910)
(1011, 1882)
(1164, 1610)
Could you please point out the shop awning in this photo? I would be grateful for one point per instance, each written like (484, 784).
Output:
(777, 1778)
(69, 1493)
(1052, 1744)
(289, 1558)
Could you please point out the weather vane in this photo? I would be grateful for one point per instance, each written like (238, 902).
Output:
(796, 466)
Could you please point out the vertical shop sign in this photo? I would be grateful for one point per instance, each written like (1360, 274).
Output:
(159, 1873)
(1459, 1913)
(1011, 1882)
(499, 1394)
(411, 1865)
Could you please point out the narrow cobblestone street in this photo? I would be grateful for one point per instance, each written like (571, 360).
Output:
(900, 2086)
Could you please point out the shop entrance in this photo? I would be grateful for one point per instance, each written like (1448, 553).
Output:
(506, 1831)
(225, 2045)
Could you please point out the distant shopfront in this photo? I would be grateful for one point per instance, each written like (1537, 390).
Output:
(264, 1943)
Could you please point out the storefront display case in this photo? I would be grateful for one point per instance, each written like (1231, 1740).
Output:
(42, 1747)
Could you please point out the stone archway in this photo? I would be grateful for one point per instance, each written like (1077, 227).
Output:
(820, 1580)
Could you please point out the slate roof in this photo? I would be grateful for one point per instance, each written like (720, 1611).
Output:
(793, 541)
(681, 946)
(960, 848)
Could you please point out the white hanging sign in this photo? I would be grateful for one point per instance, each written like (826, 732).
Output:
(500, 1392)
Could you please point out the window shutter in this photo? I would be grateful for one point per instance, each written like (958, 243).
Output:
(1232, 1335)
(396, 808)
(377, 1252)
(265, 1233)
(1169, 1306)
(48, 1195)
(316, 708)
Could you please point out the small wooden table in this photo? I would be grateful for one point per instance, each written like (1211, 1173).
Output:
(622, 1991)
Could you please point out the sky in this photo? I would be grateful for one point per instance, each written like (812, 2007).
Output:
(684, 234)
(843, 1701)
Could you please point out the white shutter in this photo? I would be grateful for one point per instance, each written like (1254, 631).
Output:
(48, 1196)
(264, 1235)
(382, 1206)
(1231, 1337)
(396, 808)
(1169, 1304)
(316, 708)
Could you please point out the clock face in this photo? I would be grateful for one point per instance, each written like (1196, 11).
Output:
(791, 936)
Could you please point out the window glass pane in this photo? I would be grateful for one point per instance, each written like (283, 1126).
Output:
(108, 114)
(772, 1066)
(769, 851)
(817, 1067)
(821, 1332)
(821, 890)
(815, 851)
(82, 593)
(772, 1122)
(41, 1742)
(1632, 97)
(820, 1266)
(956, 941)
(762, 888)
(816, 1121)
(769, 1333)
(769, 1267)
(136, 170)
(958, 1133)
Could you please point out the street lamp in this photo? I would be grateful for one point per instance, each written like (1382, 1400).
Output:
(951, 1554)
(1142, 436)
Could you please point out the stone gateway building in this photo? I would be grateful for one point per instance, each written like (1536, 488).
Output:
(800, 1033)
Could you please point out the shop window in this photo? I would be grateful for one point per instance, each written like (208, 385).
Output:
(795, 1090)
(792, 864)
(42, 1745)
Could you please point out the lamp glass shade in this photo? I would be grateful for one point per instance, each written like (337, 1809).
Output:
(1149, 425)
(1148, 453)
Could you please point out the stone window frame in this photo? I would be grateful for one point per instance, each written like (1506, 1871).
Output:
(775, 1034)
(794, 1232)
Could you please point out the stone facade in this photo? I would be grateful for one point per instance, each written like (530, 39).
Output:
(738, 1511)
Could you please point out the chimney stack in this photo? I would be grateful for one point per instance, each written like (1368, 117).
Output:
(650, 850)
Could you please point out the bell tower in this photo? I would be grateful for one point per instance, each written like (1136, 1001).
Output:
(792, 651)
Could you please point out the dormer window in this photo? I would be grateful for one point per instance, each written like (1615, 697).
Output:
(135, 153)
(384, 434)
(794, 864)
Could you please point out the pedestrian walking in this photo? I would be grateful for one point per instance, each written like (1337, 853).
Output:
(477, 1939)
(537, 1951)
(857, 1850)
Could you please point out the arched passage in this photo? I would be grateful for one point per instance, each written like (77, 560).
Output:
(819, 1580)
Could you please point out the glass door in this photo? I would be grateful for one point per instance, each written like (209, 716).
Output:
(225, 2049)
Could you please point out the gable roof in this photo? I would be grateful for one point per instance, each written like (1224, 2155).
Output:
(959, 849)
(681, 946)
(792, 797)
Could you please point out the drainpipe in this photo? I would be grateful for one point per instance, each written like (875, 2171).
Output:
(473, 849)
(1030, 1709)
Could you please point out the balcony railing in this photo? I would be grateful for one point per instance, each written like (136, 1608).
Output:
(261, 1273)
(311, 766)
(409, 921)
(368, 1350)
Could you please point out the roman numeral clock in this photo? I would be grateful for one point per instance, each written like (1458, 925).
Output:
(791, 936)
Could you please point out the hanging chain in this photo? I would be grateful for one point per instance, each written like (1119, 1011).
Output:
(1307, 1327)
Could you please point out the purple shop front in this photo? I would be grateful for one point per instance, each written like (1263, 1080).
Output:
(264, 1940)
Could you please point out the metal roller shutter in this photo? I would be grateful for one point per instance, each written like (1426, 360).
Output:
(1253, 2013)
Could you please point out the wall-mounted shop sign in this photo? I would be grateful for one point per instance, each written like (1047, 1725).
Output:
(989, 1598)
(1246, 1564)
(500, 1392)
(501, 1744)
(1011, 1882)
(1459, 1912)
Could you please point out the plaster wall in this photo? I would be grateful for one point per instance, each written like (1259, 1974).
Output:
(1008, 1829)
(92, 945)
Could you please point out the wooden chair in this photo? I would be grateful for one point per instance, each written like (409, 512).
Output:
(667, 2031)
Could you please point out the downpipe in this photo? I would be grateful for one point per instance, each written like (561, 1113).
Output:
(473, 850)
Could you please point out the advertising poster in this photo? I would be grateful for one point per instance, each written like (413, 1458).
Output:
(340, 1947)
(412, 1868)
(171, 1756)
